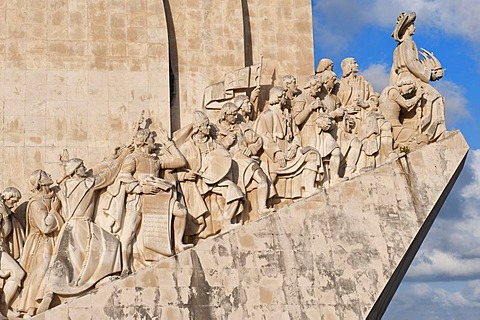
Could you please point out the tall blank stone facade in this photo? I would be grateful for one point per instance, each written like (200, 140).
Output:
(76, 74)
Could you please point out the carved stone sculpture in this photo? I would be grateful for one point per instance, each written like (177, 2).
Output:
(324, 64)
(12, 229)
(400, 104)
(43, 222)
(139, 206)
(84, 253)
(354, 91)
(151, 217)
(211, 197)
(244, 144)
(11, 244)
(290, 86)
(245, 108)
(361, 101)
(407, 63)
(330, 111)
(292, 167)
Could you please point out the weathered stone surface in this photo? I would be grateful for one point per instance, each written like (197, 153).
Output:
(330, 256)
(74, 74)
(229, 35)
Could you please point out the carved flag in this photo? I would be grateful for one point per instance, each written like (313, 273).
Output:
(244, 78)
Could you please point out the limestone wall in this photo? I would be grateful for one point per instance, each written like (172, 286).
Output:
(75, 73)
(219, 36)
(326, 257)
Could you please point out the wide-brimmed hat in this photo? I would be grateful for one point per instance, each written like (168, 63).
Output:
(403, 22)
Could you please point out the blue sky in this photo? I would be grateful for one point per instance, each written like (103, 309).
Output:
(444, 279)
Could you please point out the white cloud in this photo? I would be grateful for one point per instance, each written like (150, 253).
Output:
(378, 75)
(436, 264)
(472, 291)
(423, 301)
(338, 21)
(459, 18)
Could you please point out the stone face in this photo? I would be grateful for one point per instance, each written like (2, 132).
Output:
(331, 255)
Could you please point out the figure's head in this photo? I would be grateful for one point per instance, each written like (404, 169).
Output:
(243, 103)
(228, 113)
(406, 85)
(324, 123)
(144, 137)
(11, 196)
(276, 95)
(201, 123)
(313, 84)
(324, 64)
(40, 178)
(75, 166)
(405, 26)
(289, 83)
(349, 66)
(327, 79)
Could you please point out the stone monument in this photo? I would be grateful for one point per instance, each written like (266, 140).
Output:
(271, 201)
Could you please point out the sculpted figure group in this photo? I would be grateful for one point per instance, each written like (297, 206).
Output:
(157, 196)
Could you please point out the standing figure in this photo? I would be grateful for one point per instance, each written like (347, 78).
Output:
(292, 167)
(342, 147)
(243, 144)
(407, 63)
(43, 222)
(10, 229)
(361, 101)
(211, 197)
(355, 93)
(305, 112)
(151, 218)
(320, 128)
(84, 252)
